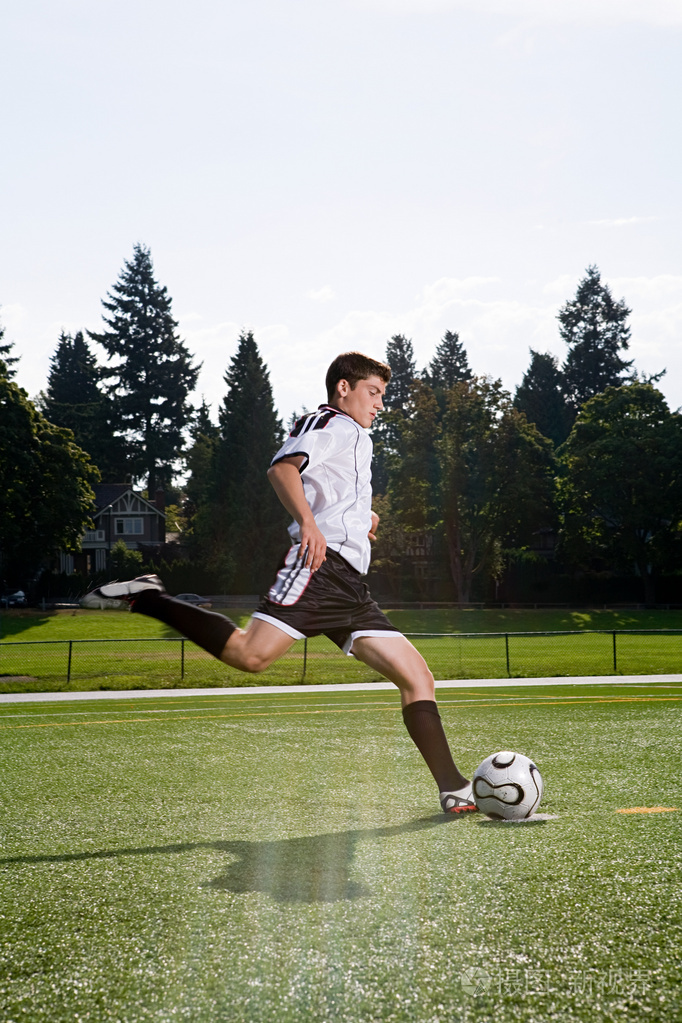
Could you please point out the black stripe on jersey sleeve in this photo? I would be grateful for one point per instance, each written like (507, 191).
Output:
(313, 421)
(293, 454)
(302, 424)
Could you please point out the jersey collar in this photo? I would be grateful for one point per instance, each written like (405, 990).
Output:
(333, 408)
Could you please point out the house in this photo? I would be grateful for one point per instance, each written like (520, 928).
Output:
(120, 514)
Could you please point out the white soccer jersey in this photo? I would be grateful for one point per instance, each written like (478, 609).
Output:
(337, 480)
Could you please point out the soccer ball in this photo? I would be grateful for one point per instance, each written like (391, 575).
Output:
(507, 786)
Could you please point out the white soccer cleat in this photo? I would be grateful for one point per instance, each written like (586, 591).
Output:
(123, 592)
(461, 801)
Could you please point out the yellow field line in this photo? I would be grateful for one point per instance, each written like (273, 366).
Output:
(326, 710)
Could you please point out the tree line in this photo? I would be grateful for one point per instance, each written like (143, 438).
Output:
(587, 454)
(587, 451)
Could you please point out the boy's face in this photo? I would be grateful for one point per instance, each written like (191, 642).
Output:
(363, 402)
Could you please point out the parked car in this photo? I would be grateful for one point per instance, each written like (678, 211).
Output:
(194, 598)
(15, 599)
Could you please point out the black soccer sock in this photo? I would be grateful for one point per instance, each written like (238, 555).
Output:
(423, 722)
(205, 628)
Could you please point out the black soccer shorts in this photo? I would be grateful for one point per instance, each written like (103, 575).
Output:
(333, 602)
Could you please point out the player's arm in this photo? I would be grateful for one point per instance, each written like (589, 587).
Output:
(288, 485)
(373, 529)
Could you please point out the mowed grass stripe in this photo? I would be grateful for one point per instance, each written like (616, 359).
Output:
(544, 702)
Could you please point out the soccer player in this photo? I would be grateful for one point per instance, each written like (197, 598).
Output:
(322, 476)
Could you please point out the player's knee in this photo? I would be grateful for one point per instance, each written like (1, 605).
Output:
(423, 682)
(419, 672)
(255, 662)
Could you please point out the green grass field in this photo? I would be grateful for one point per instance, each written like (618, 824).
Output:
(40, 662)
(282, 858)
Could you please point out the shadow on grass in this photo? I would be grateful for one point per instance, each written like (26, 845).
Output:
(309, 870)
(15, 621)
(507, 824)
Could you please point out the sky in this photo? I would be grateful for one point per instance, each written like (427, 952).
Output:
(328, 175)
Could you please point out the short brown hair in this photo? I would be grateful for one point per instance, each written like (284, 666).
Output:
(354, 366)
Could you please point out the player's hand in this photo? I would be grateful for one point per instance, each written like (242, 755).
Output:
(313, 549)
(373, 528)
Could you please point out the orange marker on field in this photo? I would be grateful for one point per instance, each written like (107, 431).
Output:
(649, 809)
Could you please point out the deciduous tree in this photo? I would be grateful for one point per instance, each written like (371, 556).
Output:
(46, 480)
(620, 488)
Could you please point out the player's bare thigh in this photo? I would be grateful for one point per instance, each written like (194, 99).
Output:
(256, 647)
(400, 662)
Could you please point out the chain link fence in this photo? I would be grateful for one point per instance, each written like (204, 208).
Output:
(82, 664)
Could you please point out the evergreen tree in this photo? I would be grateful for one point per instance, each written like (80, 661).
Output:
(242, 525)
(595, 329)
(73, 400)
(414, 476)
(497, 480)
(199, 461)
(400, 357)
(412, 504)
(7, 360)
(540, 395)
(386, 432)
(450, 364)
(154, 375)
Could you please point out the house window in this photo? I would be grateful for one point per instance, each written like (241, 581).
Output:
(128, 527)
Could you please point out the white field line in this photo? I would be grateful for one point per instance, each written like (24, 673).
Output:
(348, 687)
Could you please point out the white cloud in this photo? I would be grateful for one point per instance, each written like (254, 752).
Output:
(325, 294)
(656, 323)
(214, 345)
(664, 289)
(497, 330)
(453, 289)
(621, 222)
(562, 287)
(577, 12)
(12, 318)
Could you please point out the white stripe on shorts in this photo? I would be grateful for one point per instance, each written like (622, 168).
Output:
(282, 626)
(377, 633)
(292, 580)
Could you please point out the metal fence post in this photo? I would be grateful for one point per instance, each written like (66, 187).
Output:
(615, 662)
(506, 648)
(305, 658)
(68, 667)
(182, 659)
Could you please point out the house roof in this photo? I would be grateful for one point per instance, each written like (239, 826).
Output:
(107, 494)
